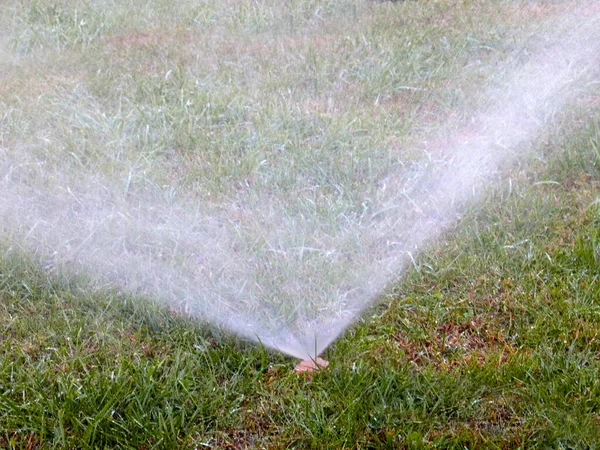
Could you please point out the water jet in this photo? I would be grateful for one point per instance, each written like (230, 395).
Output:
(299, 251)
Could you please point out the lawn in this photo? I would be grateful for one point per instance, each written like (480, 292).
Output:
(490, 338)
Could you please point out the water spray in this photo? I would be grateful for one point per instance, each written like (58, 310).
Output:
(288, 270)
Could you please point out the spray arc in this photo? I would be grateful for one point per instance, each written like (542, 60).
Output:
(292, 272)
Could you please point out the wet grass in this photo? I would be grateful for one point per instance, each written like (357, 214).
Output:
(491, 340)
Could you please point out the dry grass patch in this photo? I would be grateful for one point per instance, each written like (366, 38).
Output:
(22, 84)
(452, 345)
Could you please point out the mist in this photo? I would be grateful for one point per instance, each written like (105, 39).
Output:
(292, 270)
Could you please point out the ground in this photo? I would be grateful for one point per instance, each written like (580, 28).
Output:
(490, 340)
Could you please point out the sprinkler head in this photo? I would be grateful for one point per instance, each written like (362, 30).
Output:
(311, 365)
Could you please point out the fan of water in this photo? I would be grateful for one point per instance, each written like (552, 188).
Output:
(293, 271)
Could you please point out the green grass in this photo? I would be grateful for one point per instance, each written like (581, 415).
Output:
(491, 340)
